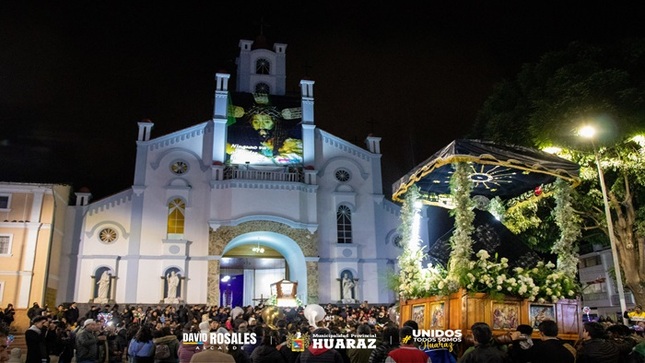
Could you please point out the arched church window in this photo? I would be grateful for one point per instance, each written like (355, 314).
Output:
(176, 216)
(344, 224)
(262, 66)
(262, 88)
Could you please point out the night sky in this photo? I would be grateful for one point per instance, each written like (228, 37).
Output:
(75, 78)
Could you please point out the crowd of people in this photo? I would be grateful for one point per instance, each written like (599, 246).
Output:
(137, 334)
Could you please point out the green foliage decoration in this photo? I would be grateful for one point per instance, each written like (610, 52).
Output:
(461, 240)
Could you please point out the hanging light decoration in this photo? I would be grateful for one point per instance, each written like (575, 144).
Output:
(258, 249)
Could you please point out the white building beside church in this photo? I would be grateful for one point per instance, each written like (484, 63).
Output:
(231, 205)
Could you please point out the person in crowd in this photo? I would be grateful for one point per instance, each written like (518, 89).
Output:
(87, 342)
(621, 340)
(389, 342)
(34, 311)
(638, 354)
(141, 348)
(550, 349)
(288, 354)
(357, 355)
(166, 346)
(259, 333)
(35, 339)
(635, 315)
(212, 353)
(485, 349)
(319, 355)
(72, 314)
(407, 352)
(267, 352)
(9, 315)
(186, 351)
(594, 347)
(521, 345)
(66, 341)
(4, 343)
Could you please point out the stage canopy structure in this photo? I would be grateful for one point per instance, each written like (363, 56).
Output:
(497, 170)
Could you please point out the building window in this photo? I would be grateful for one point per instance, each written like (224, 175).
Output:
(344, 224)
(108, 235)
(398, 241)
(5, 201)
(176, 217)
(262, 88)
(5, 245)
(179, 167)
(591, 261)
(262, 66)
(342, 175)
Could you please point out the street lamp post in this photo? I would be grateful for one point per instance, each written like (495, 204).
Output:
(589, 132)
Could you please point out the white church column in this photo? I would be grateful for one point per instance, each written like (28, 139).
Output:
(249, 283)
(220, 117)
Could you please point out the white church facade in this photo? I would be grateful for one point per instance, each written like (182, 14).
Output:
(221, 210)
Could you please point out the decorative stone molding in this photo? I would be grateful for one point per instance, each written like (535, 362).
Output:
(312, 282)
(307, 241)
(219, 238)
(213, 282)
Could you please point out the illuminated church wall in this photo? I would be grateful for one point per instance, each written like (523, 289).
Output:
(183, 166)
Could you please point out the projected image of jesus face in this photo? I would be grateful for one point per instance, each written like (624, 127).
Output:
(262, 124)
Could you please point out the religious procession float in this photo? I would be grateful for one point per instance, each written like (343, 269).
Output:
(477, 274)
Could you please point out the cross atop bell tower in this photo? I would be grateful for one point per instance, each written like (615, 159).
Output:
(260, 69)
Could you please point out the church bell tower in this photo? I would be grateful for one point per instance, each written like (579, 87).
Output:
(260, 69)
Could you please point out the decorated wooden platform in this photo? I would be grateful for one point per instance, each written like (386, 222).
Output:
(461, 310)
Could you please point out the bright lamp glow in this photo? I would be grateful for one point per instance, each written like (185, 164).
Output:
(415, 237)
(552, 149)
(587, 131)
(226, 278)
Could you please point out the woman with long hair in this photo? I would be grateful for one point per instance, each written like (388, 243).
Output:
(141, 348)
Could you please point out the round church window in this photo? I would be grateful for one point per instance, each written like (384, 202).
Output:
(108, 235)
(342, 175)
(179, 167)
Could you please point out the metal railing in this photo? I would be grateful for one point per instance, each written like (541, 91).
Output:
(284, 174)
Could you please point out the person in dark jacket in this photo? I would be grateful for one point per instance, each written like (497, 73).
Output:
(9, 313)
(594, 347)
(484, 350)
(389, 342)
(550, 349)
(165, 337)
(319, 355)
(72, 314)
(34, 311)
(35, 339)
(619, 338)
(267, 352)
(87, 343)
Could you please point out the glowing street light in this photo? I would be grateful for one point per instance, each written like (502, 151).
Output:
(589, 132)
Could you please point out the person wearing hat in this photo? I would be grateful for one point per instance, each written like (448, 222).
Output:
(87, 349)
(35, 339)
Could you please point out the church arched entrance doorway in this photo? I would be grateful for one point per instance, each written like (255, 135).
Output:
(251, 262)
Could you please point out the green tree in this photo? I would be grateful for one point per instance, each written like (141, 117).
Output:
(550, 99)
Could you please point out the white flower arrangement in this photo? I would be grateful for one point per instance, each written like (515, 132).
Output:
(487, 274)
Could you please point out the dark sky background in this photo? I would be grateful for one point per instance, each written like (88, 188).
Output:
(75, 78)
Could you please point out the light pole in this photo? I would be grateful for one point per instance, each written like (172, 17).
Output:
(589, 132)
